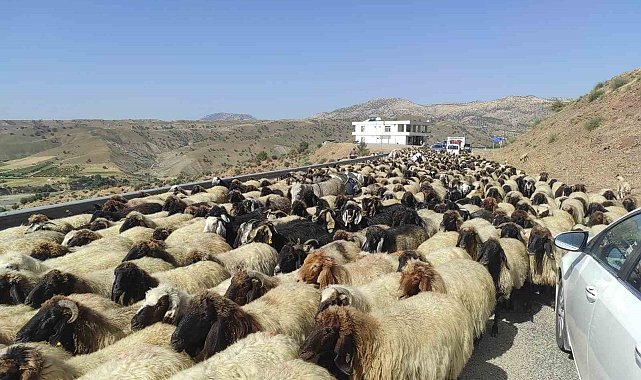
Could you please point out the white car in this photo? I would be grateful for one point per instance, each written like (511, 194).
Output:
(598, 300)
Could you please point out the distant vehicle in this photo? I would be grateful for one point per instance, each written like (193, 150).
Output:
(454, 149)
(458, 141)
(438, 147)
(598, 300)
(467, 148)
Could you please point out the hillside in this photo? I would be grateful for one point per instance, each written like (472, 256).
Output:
(509, 115)
(224, 116)
(590, 140)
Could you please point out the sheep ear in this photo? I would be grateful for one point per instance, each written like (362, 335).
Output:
(217, 338)
(344, 351)
(255, 291)
(225, 218)
(17, 295)
(504, 259)
(548, 247)
(424, 285)
(326, 276)
(331, 223)
(379, 247)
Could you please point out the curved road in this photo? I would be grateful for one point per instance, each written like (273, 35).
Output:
(525, 349)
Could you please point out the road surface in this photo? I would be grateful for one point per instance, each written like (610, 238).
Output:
(525, 349)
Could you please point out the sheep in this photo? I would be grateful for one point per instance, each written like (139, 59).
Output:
(297, 369)
(131, 282)
(101, 254)
(378, 294)
(77, 238)
(623, 187)
(99, 282)
(42, 222)
(323, 270)
(35, 361)
(465, 280)
(383, 345)
(544, 257)
(436, 257)
(279, 235)
(631, 202)
(287, 309)
(245, 359)
(48, 249)
(473, 233)
(15, 285)
(291, 256)
(394, 239)
(558, 221)
(148, 361)
(248, 285)
(71, 323)
(333, 186)
(440, 240)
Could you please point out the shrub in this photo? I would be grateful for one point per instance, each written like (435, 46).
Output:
(618, 82)
(557, 105)
(598, 85)
(593, 123)
(303, 146)
(552, 138)
(322, 160)
(595, 94)
(261, 156)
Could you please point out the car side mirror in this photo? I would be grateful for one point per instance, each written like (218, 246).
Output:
(571, 241)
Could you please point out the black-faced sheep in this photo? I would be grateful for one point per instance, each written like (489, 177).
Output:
(383, 345)
(212, 322)
(404, 237)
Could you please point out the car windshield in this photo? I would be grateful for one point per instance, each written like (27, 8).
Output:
(452, 147)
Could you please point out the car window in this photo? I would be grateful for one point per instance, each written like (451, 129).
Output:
(635, 277)
(618, 243)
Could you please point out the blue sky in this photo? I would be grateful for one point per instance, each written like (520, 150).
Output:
(290, 59)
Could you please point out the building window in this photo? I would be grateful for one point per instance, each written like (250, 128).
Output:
(362, 128)
(388, 128)
(400, 127)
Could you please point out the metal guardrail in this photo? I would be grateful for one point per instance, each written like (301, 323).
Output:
(61, 210)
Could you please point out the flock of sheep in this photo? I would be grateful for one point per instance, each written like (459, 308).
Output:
(382, 270)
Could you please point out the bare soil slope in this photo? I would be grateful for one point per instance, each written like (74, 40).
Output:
(590, 140)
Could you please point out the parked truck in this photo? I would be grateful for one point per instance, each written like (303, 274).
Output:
(455, 145)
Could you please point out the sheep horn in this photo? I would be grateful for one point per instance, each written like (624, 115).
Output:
(72, 307)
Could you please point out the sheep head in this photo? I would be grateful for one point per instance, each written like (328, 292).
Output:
(405, 256)
(291, 256)
(151, 248)
(492, 256)
(161, 234)
(469, 240)
(540, 242)
(174, 205)
(374, 239)
(21, 362)
(451, 221)
(419, 276)
(79, 238)
(130, 284)
(335, 295)
(332, 342)
(52, 283)
(490, 203)
(326, 218)
(512, 230)
(13, 287)
(48, 249)
(53, 323)
(162, 304)
(321, 270)
(629, 203)
(247, 286)
(210, 323)
(522, 218)
(499, 217)
(597, 217)
(352, 216)
(372, 206)
(136, 219)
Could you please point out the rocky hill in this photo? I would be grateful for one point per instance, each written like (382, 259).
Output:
(224, 116)
(509, 115)
(589, 140)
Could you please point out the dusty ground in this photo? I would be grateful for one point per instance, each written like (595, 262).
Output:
(566, 146)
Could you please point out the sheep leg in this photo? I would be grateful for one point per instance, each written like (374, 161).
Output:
(497, 316)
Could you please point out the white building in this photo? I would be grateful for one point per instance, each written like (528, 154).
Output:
(377, 131)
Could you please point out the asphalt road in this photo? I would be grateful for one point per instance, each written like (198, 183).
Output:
(524, 349)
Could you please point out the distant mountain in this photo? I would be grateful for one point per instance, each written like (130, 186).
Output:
(513, 113)
(225, 116)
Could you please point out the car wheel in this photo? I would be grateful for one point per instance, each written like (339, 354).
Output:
(559, 309)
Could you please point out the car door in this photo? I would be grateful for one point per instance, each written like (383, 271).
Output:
(593, 274)
(614, 348)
